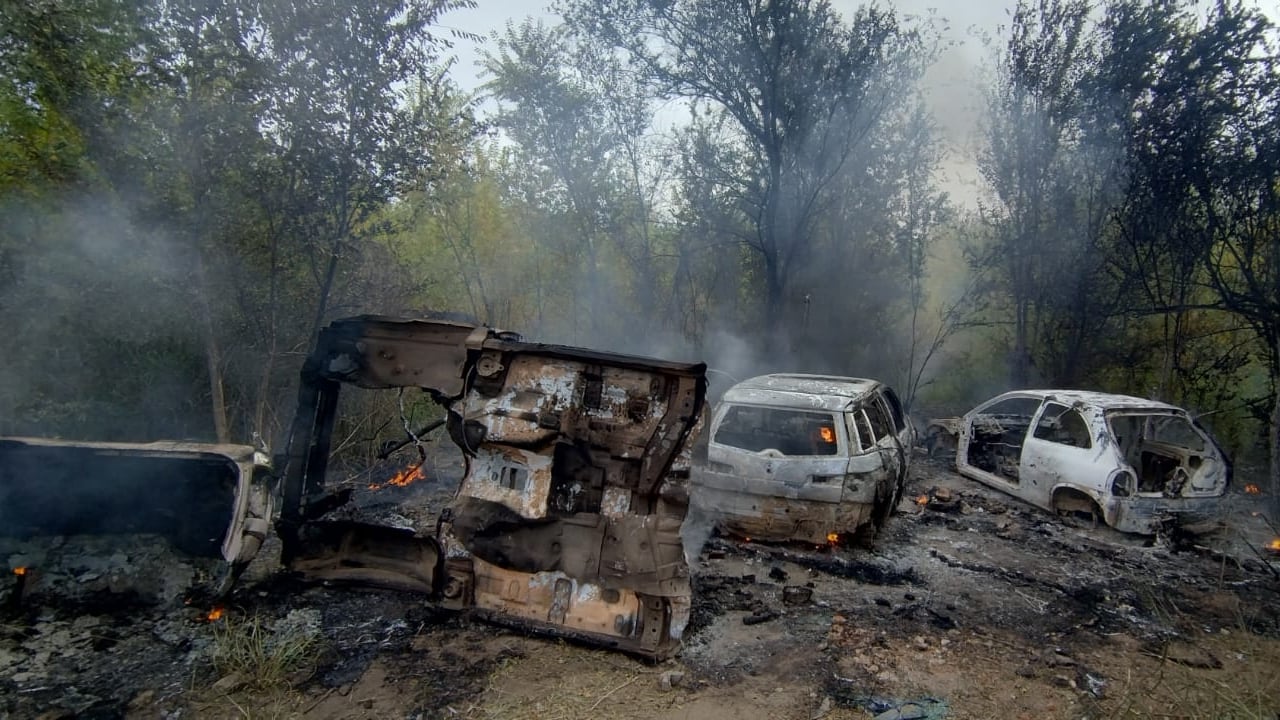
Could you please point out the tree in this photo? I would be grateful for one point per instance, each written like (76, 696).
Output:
(1032, 122)
(348, 142)
(557, 117)
(1226, 130)
(803, 91)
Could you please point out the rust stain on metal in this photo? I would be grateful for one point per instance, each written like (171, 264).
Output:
(568, 518)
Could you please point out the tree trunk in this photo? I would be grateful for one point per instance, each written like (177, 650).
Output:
(1021, 374)
(1273, 474)
(322, 304)
(213, 356)
(775, 307)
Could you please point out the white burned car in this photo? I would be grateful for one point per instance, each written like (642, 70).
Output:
(1139, 464)
(808, 458)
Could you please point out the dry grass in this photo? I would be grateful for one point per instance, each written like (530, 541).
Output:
(273, 705)
(265, 659)
(570, 682)
(1246, 687)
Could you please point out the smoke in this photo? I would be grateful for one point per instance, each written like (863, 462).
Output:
(699, 525)
(95, 312)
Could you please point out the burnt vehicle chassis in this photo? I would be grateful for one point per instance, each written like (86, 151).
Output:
(567, 520)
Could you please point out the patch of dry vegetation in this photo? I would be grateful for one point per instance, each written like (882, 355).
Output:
(1231, 674)
(571, 682)
(258, 667)
(262, 657)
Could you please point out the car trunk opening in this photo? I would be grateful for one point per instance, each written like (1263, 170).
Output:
(122, 525)
(1169, 456)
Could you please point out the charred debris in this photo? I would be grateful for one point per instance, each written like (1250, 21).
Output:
(566, 521)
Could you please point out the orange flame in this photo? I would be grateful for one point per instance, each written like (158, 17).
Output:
(1252, 489)
(833, 538)
(922, 500)
(828, 434)
(215, 614)
(20, 571)
(405, 477)
(1274, 545)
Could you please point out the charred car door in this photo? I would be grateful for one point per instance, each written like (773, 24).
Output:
(1060, 450)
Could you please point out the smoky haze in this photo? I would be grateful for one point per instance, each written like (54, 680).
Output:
(621, 220)
(97, 321)
(845, 308)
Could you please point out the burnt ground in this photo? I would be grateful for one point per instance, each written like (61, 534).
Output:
(972, 607)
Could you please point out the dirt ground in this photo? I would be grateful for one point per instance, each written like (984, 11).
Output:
(976, 607)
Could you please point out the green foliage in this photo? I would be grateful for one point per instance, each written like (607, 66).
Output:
(188, 190)
(178, 183)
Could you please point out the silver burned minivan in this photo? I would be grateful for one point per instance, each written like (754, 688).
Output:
(809, 458)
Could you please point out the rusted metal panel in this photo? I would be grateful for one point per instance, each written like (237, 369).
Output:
(568, 517)
(760, 510)
(358, 553)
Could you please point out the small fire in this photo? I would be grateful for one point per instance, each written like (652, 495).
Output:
(922, 500)
(1274, 546)
(833, 538)
(828, 434)
(405, 477)
(20, 571)
(215, 614)
(1252, 489)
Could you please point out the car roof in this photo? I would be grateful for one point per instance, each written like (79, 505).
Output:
(1105, 401)
(817, 392)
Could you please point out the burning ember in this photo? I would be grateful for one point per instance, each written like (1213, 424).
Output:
(833, 538)
(1274, 545)
(19, 586)
(1252, 489)
(215, 614)
(405, 477)
(922, 500)
(828, 434)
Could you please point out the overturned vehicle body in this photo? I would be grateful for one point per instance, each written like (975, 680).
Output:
(206, 501)
(568, 518)
(805, 458)
(1141, 466)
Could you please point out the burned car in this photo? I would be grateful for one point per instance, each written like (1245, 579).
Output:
(205, 501)
(567, 520)
(807, 458)
(1140, 465)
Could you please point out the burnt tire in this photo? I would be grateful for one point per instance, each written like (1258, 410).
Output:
(865, 536)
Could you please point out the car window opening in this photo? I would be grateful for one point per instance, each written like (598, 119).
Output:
(790, 432)
(865, 436)
(1063, 425)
